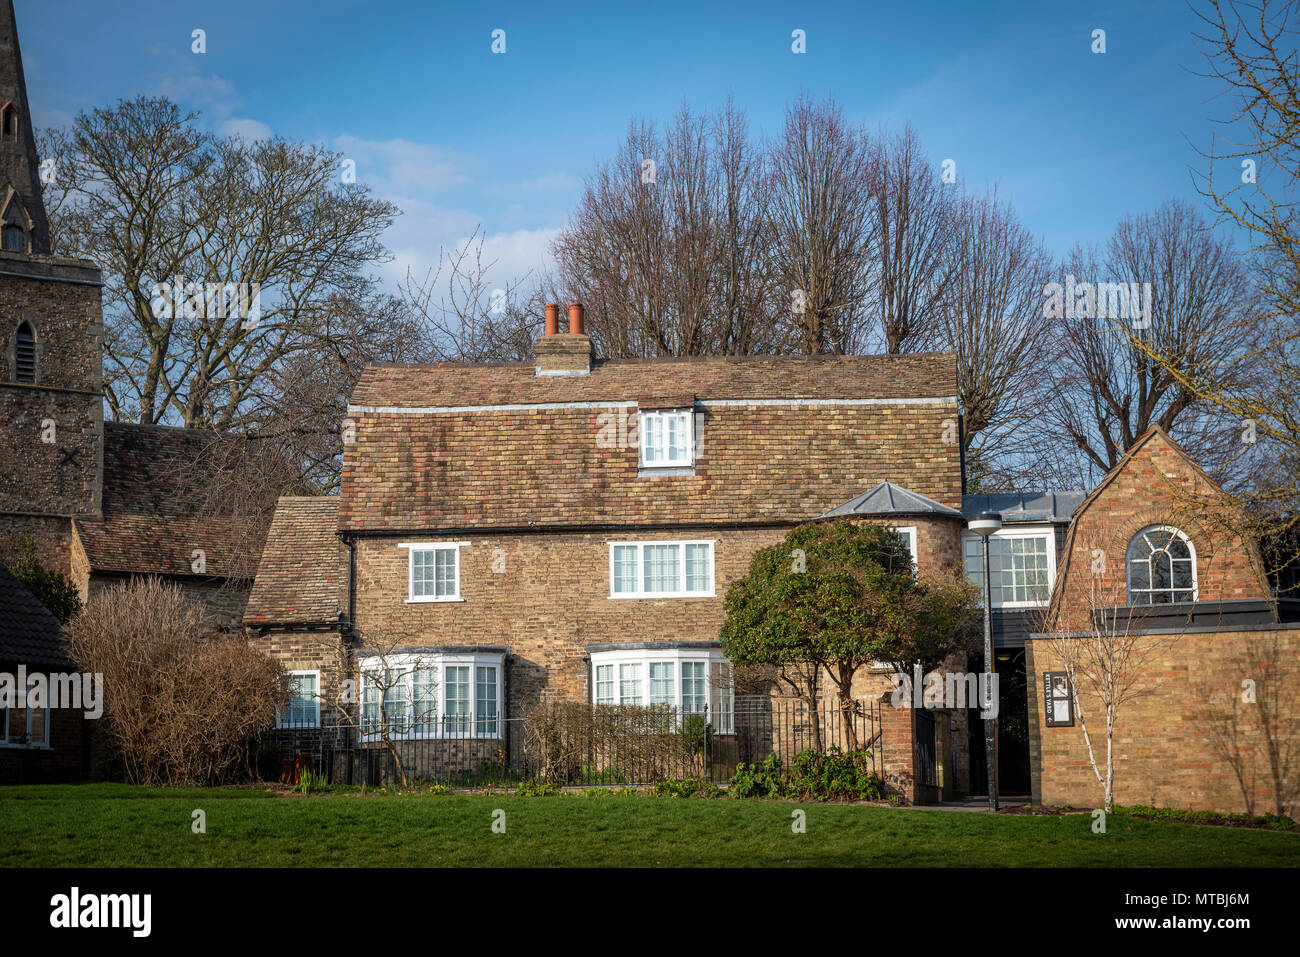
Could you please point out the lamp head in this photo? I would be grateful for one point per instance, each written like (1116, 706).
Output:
(985, 524)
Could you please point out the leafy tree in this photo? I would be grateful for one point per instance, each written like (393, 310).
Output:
(53, 588)
(836, 596)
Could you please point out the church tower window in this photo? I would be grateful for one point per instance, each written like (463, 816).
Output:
(25, 353)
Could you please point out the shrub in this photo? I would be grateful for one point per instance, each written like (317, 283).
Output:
(687, 787)
(758, 780)
(52, 588)
(832, 775)
(566, 741)
(180, 708)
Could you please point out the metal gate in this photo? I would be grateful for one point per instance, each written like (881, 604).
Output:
(923, 728)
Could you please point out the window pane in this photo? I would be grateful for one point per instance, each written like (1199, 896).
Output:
(457, 721)
(422, 574)
(370, 717)
(720, 691)
(397, 704)
(676, 439)
(652, 439)
(661, 683)
(697, 568)
(445, 572)
(624, 569)
(486, 699)
(629, 681)
(424, 687)
(693, 687)
(300, 711)
(604, 684)
(661, 568)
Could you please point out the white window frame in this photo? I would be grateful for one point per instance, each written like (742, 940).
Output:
(645, 657)
(1128, 565)
(1007, 533)
(439, 662)
(414, 547)
(912, 546)
(661, 415)
(27, 715)
(640, 591)
(279, 719)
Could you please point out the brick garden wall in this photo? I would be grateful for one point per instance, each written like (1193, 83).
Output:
(1163, 753)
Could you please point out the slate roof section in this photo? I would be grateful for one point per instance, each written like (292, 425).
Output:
(455, 384)
(153, 511)
(29, 632)
(300, 576)
(890, 499)
(455, 448)
(1026, 507)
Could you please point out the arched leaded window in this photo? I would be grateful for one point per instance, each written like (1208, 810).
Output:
(25, 353)
(14, 240)
(1161, 567)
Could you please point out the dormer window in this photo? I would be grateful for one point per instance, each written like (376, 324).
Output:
(10, 121)
(14, 239)
(667, 439)
(25, 353)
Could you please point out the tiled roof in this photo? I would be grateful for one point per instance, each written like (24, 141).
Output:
(890, 499)
(154, 515)
(1025, 506)
(29, 632)
(453, 384)
(302, 566)
(778, 439)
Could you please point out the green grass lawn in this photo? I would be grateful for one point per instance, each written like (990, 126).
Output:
(120, 826)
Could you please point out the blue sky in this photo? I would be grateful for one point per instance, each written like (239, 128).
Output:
(458, 136)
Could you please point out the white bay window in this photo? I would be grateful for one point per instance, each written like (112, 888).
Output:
(433, 695)
(690, 680)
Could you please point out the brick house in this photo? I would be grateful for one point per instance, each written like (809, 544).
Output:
(569, 529)
(1157, 553)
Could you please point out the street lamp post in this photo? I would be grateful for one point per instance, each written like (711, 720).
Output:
(985, 525)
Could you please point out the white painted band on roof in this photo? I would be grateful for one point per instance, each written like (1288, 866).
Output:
(704, 403)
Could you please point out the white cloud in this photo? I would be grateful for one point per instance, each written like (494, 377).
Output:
(212, 94)
(399, 166)
(426, 183)
(247, 128)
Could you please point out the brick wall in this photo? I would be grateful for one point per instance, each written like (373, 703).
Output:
(1163, 753)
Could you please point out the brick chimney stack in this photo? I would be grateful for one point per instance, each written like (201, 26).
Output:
(561, 353)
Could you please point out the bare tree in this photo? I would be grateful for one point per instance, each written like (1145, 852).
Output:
(991, 317)
(912, 211)
(465, 315)
(398, 700)
(823, 175)
(1110, 391)
(667, 246)
(1250, 180)
(157, 202)
(179, 708)
(1106, 665)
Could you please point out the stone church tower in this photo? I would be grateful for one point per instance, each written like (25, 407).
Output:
(51, 334)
